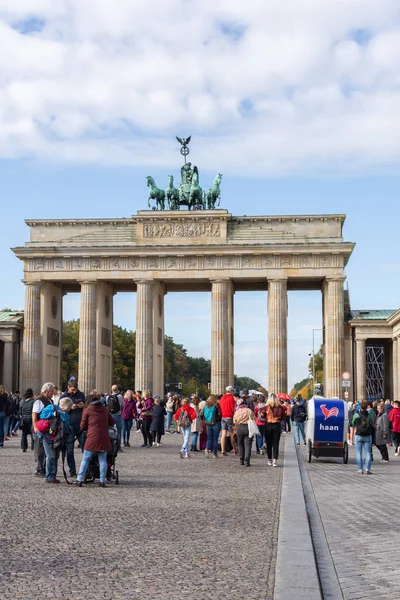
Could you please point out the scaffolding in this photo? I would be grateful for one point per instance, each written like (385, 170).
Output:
(375, 358)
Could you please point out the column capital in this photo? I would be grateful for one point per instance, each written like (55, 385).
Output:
(144, 281)
(88, 281)
(221, 280)
(27, 282)
(278, 279)
(332, 278)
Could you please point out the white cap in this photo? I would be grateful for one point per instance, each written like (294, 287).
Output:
(230, 388)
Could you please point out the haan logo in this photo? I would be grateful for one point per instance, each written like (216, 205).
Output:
(333, 412)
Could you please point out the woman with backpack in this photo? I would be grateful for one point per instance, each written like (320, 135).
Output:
(363, 422)
(129, 414)
(96, 419)
(210, 416)
(185, 415)
(147, 416)
(241, 419)
(275, 413)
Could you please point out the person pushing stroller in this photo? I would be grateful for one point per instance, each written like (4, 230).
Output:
(96, 419)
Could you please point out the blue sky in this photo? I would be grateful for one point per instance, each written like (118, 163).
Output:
(297, 103)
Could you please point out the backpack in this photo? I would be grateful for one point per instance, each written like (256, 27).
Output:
(211, 412)
(261, 415)
(184, 420)
(113, 404)
(363, 425)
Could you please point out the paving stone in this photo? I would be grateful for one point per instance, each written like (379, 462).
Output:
(174, 529)
(367, 565)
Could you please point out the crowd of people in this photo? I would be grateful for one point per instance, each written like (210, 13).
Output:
(55, 421)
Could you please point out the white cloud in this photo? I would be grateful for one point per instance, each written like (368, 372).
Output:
(267, 87)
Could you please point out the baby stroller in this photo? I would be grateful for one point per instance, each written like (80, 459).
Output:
(93, 471)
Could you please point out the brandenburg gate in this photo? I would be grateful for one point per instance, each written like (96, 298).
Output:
(155, 252)
(168, 249)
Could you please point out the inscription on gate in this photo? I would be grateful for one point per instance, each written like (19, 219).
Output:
(178, 230)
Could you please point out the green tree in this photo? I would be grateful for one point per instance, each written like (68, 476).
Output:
(70, 351)
(246, 383)
(124, 343)
(318, 365)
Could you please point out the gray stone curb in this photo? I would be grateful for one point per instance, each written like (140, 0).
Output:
(296, 573)
(329, 582)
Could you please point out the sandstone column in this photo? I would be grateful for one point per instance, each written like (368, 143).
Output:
(158, 338)
(144, 336)
(334, 336)
(220, 295)
(30, 377)
(231, 310)
(104, 336)
(395, 368)
(87, 337)
(361, 370)
(8, 371)
(277, 336)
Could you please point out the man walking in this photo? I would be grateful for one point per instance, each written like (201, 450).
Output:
(227, 405)
(298, 417)
(75, 415)
(363, 422)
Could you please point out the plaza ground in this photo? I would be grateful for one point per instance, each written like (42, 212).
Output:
(202, 529)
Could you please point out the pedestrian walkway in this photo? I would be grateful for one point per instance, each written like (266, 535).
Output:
(174, 529)
(355, 524)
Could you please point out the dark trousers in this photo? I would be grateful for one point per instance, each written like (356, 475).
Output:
(288, 425)
(272, 437)
(25, 431)
(75, 433)
(384, 451)
(244, 443)
(396, 439)
(40, 457)
(147, 436)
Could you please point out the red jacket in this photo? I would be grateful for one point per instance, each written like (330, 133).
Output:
(394, 417)
(227, 405)
(190, 412)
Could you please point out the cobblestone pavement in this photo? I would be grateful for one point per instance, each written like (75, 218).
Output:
(174, 529)
(361, 523)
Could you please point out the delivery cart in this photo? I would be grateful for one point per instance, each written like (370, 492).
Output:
(326, 432)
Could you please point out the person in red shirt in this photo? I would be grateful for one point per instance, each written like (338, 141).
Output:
(394, 418)
(185, 415)
(227, 406)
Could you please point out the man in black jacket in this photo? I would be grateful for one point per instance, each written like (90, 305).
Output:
(75, 415)
(298, 417)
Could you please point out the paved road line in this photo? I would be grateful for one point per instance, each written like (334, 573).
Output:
(328, 576)
(296, 573)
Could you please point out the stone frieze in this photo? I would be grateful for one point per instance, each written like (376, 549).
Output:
(187, 263)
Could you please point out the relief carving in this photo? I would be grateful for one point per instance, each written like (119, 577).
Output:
(95, 264)
(77, 264)
(106, 337)
(40, 264)
(53, 337)
(59, 265)
(173, 230)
